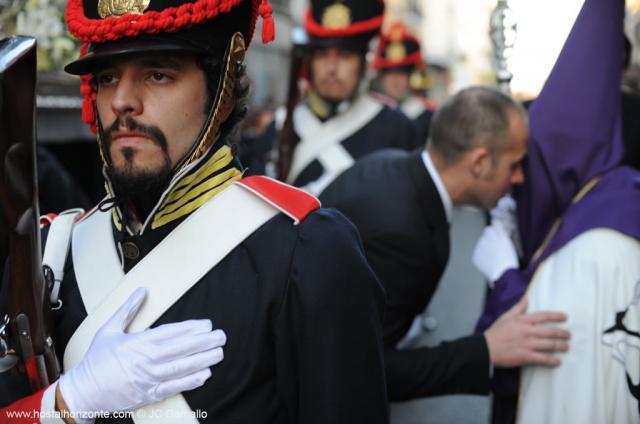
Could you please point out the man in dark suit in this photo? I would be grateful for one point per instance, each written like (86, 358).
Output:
(402, 204)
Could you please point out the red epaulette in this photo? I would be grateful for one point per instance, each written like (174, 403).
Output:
(23, 411)
(384, 99)
(86, 214)
(291, 201)
(430, 104)
(47, 219)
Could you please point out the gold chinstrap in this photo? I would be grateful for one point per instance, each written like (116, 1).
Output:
(225, 102)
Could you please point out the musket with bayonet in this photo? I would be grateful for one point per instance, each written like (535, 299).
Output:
(25, 337)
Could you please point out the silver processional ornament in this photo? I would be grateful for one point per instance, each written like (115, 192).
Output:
(503, 31)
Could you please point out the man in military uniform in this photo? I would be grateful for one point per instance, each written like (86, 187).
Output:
(183, 241)
(400, 68)
(338, 121)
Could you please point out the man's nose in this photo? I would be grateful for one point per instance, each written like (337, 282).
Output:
(126, 99)
(332, 62)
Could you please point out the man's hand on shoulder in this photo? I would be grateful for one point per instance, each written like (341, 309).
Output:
(518, 338)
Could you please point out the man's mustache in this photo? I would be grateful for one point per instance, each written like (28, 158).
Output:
(331, 80)
(127, 123)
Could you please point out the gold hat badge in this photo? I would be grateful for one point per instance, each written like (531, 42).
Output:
(114, 8)
(420, 81)
(336, 16)
(396, 51)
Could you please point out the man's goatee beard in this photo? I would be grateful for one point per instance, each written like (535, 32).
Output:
(140, 189)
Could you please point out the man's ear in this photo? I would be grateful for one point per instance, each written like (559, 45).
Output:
(479, 160)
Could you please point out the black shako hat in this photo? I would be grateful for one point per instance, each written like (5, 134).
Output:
(398, 49)
(114, 28)
(111, 28)
(343, 23)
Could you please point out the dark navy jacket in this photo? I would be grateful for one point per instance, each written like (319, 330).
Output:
(388, 129)
(302, 312)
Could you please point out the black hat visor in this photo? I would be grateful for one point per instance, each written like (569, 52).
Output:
(103, 52)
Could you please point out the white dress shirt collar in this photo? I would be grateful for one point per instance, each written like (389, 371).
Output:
(442, 190)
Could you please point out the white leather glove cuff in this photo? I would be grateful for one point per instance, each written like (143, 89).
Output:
(504, 215)
(494, 253)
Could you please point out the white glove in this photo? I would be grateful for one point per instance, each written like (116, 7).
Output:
(494, 253)
(504, 215)
(123, 371)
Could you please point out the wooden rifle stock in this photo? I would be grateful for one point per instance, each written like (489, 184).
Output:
(288, 137)
(29, 311)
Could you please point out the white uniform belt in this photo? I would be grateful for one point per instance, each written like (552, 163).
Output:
(56, 247)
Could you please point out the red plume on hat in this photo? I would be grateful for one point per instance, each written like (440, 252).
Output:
(398, 48)
(109, 20)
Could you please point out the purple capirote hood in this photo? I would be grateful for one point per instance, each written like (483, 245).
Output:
(575, 136)
(575, 122)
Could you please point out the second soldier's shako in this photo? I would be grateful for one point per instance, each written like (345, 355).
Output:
(217, 31)
(398, 50)
(347, 24)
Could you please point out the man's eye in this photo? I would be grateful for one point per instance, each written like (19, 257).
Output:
(320, 54)
(159, 76)
(105, 79)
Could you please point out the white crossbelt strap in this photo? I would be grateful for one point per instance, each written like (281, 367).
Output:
(305, 122)
(335, 159)
(93, 248)
(229, 218)
(413, 107)
(317, 137)
(56, 247)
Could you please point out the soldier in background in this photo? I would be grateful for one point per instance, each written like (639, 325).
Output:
(338, 121)
(401, 75)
